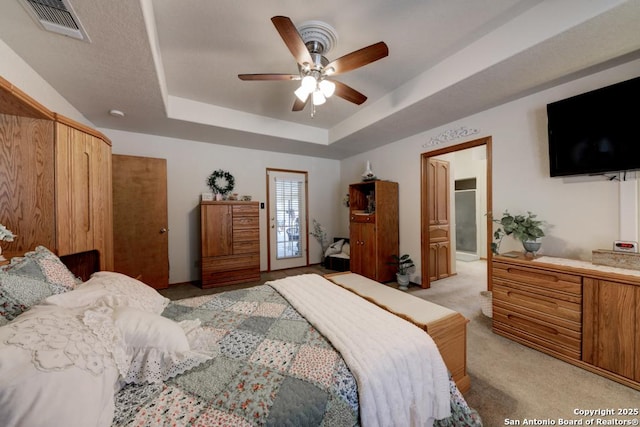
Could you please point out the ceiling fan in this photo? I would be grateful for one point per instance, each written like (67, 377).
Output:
(308, 45)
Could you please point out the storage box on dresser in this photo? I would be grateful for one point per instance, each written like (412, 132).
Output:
(582, 315)
(230, 243)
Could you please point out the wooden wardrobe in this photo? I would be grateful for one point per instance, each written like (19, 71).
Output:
(55, 180)
(374, 229)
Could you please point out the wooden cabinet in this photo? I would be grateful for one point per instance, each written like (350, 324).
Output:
(585, 316)
(612, 337)
(364, 248)
(230, 243)
(438, 202)
(83, 193)
(58, 180)
(373, 216)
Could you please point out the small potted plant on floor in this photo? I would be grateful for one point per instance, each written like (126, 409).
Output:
(403, 264)
(525, 228)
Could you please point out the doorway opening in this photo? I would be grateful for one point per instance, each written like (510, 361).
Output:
(432, 259)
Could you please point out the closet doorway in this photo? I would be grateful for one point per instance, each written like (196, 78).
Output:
(427, 201)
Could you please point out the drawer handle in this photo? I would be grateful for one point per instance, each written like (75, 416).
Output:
(532, 274)
(526, 298)
(528, 323)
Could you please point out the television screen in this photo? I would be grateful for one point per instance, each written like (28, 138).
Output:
(595, 132)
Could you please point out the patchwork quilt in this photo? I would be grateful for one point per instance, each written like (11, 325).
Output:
(273, 368)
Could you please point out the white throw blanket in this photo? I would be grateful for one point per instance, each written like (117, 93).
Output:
(402, 379)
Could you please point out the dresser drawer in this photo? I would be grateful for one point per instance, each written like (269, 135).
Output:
(247, 210)
(245, 222)
(233, 262)
(246, 247)
(538, 332)
(363, 218)
(250, 234)
(563, 312)
(222, 278)
(542, 279)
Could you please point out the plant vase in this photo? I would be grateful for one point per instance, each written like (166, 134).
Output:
(531, 246)
(403, 281)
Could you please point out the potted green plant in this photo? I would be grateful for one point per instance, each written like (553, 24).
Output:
(403, 264)
(525, 228)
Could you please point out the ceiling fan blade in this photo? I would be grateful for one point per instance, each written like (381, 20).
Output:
(268, 77)
(348, 93)
(292, 39)
(299, 105)
(359, 58)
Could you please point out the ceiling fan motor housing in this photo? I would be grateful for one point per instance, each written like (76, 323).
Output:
(318, 36)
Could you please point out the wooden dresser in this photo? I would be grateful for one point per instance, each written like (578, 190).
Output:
(576, 312)
(230, 243)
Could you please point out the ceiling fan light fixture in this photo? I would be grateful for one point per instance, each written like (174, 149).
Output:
(302, 93)
(309, 83)
(318, 98)
(327, 87)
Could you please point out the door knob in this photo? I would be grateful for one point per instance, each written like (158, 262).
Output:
(163, 230)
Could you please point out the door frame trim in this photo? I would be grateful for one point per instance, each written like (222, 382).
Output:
(267, 210)
(424, 211)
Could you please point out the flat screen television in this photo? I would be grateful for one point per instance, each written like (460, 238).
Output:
(596, 132)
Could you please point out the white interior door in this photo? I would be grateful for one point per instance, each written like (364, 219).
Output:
(287, 219)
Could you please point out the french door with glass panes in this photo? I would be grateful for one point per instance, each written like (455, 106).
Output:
(287, 219)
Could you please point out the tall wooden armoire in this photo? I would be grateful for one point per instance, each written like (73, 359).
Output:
(55, 177)
(374, 228)
(230, 243)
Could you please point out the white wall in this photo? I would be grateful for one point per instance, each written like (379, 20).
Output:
(189, 163)
(21, 75)
(582, 213)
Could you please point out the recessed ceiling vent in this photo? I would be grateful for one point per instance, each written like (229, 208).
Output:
(56, 16)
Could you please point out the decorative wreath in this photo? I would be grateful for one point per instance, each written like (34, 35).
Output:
(217, 181)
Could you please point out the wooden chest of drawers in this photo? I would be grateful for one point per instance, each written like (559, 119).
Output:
(230, 243)
(542, 309)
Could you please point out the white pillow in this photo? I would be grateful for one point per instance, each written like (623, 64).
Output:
(159, 348)
(334, 248)
(346, 249)
(55, 370)
(114, 290)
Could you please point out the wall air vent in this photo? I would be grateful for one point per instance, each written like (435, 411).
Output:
(56, 16)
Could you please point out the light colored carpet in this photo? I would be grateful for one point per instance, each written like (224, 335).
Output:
(510, 381)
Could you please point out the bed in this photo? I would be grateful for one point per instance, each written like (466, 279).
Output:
(296, 351)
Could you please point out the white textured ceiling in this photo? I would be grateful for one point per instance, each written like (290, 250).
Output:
(172, 66)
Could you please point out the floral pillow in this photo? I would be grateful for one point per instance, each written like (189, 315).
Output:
(43, 265)
(30, 279)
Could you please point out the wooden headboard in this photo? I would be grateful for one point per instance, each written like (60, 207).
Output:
(82, 264)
